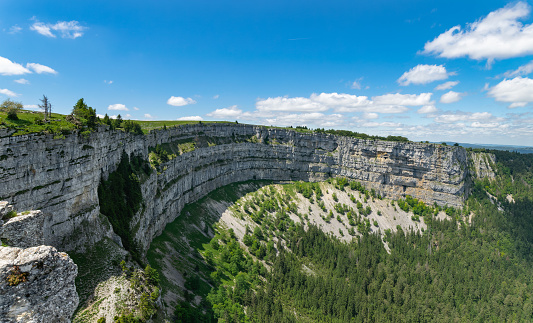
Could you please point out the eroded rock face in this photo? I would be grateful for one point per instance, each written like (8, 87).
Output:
(36, 285)
(483, 165)
(61, 176)
(24, 230)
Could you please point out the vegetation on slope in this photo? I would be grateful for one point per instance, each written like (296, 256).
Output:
(120, 197)
(475, 265)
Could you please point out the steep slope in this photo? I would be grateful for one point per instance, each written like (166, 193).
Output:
(183, 252)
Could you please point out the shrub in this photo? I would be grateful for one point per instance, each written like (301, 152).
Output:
(12, 108)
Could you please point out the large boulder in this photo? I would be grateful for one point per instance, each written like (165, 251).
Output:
(37, 285)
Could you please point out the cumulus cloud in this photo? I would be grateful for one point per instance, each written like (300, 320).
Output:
(306, 119)
(191, 118)
(67, 29)
(40, 69)
(381, 124)
(135, 108)
(451, 97)
(518, 91)
(427, 109)
(118, 106)
(478, 124)
(299, 104)
(8, 92)
(446, 86)
(22, 81)
(452, 117)
(370, 115)
(403, 99)
(216, 96)
(225, 113)
(521, 71)
(8, 67)
(148, 116)
(499, 35)
(108, 82)
(423, 74)
(179, 101)
(31, 107)
(341, 102)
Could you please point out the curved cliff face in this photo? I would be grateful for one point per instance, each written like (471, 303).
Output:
(61, 176)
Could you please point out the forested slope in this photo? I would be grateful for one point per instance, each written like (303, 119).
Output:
(473, 265)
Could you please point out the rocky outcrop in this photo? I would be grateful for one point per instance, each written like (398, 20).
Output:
(24, 230)
(36, 285)
(61, 176)
(483, 165)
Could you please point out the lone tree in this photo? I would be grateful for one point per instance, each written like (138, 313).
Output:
(12, 108)
(46, 107)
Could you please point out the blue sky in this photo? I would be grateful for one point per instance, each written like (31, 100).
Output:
(428, 70)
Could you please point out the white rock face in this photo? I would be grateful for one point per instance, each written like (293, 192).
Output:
(46, 293)
(61, 176)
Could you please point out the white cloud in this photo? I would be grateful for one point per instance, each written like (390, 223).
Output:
(381, 124)
(22, 81)
(299, 104)
(427, 109)
(499, 35)
(451, 97)
(225, 113)
(477, 124)
(517, 91)
(31, 107)
(42, 29)
(14, 29)
(341, 102)
(135, 108)
(8, 92)
(108, 82)
(356, 85)
(191, 118)
(446, 86)
(179, 101)
(40, 69)
(422, 74)
(148, 116)
(450, 117)
(67, 29)
(8, 67)
(521, 71)
(216, 96)
(403, 99)
(306, 119)
(517, 105)
(370, 115)
(118, 106)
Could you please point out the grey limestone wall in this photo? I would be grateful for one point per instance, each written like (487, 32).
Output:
(61, 176)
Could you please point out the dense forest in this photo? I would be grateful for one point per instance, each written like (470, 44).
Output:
(475, 266)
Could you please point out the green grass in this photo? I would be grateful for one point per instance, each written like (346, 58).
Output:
(26, 123)
(146, 126)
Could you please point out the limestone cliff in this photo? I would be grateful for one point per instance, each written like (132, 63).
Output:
(61, 176)
(36, 285)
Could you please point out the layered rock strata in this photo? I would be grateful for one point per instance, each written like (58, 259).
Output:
(61, 176)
